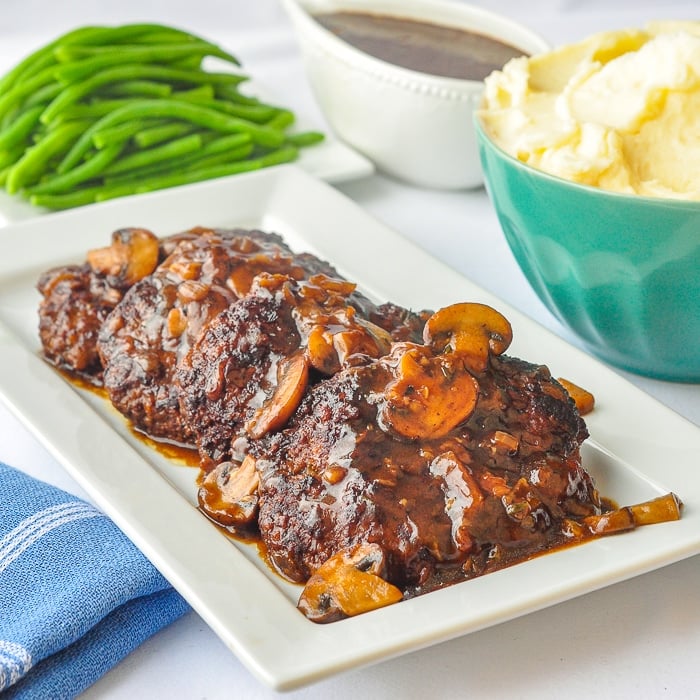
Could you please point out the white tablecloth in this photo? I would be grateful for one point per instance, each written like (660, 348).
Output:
(636, 639)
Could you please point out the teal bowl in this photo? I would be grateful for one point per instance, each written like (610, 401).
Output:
(621, 271)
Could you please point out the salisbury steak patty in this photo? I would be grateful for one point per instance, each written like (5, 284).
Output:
(75, 302)
(76, 299)
(160, 317)
(470, 498)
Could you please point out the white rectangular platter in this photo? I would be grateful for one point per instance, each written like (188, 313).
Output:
(638, 448)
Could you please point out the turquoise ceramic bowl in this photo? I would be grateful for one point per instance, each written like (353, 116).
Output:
(621, 271)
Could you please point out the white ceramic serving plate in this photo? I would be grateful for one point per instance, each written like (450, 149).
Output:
(414, 126)
(639, 449)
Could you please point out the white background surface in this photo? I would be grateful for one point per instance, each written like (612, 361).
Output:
(638, 639)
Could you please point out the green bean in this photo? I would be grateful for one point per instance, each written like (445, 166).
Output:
(99, 107)
(7, 119)
(232, 94)
(305, 138)
(118, 133)
(282, 155)
(188, 63)
(175, 109)
(35, 63)
(128, 71)
(16, 95)
(70, 73)
(43, 95)
(38, 68)
(100, 194)
(109, 35)
(10, 156)
(171, 35)
(255, 113)
(19, 130)
(125, 33)
(43, 57)
(197, 94)
(87, 170)
(223, 147)
(89, 110)
(281, 120)
(140, 88)
(38, 60)
(199, 160)
(32, 164)
(157, 154)
(135, 32)
(221, 144)
(188, 163)
(162, 132)
(78, 198)
(141, 53)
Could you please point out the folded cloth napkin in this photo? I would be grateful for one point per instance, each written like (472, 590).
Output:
(76, 596)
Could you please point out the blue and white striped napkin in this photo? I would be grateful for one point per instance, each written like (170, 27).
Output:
(76, 596)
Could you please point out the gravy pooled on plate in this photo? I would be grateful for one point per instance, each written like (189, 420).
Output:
(421, 46)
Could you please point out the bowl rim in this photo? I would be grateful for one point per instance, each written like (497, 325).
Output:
(589, 190)
(385, 70)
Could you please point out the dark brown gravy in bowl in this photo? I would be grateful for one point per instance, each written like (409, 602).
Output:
(420, 46)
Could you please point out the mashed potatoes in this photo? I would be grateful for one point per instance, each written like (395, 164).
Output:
(620, 110)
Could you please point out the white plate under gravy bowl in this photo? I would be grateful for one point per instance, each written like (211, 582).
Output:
(638, 448)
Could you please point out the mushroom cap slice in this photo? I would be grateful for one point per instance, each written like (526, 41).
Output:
(292, 379)
(229, 493)
(348, 583)
(472, 330)
(132, 255)
(429, 395)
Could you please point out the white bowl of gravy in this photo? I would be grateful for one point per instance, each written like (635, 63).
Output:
(399, 80)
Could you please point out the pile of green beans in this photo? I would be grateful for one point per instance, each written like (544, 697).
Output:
(104, 112)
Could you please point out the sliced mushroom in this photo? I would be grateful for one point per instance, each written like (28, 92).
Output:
(380, 336)
(332, 342)
(658, 510)
(321, 286)
(356, 342)
(132, 255)
(584, 400)
(292, 378)
(429, 395)
(320, 351)
(470, 329)
(229, 493)
(348, 583)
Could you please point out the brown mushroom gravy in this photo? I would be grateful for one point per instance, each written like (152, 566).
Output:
(421, 46)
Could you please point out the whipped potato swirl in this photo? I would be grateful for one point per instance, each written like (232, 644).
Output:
(619, 110)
